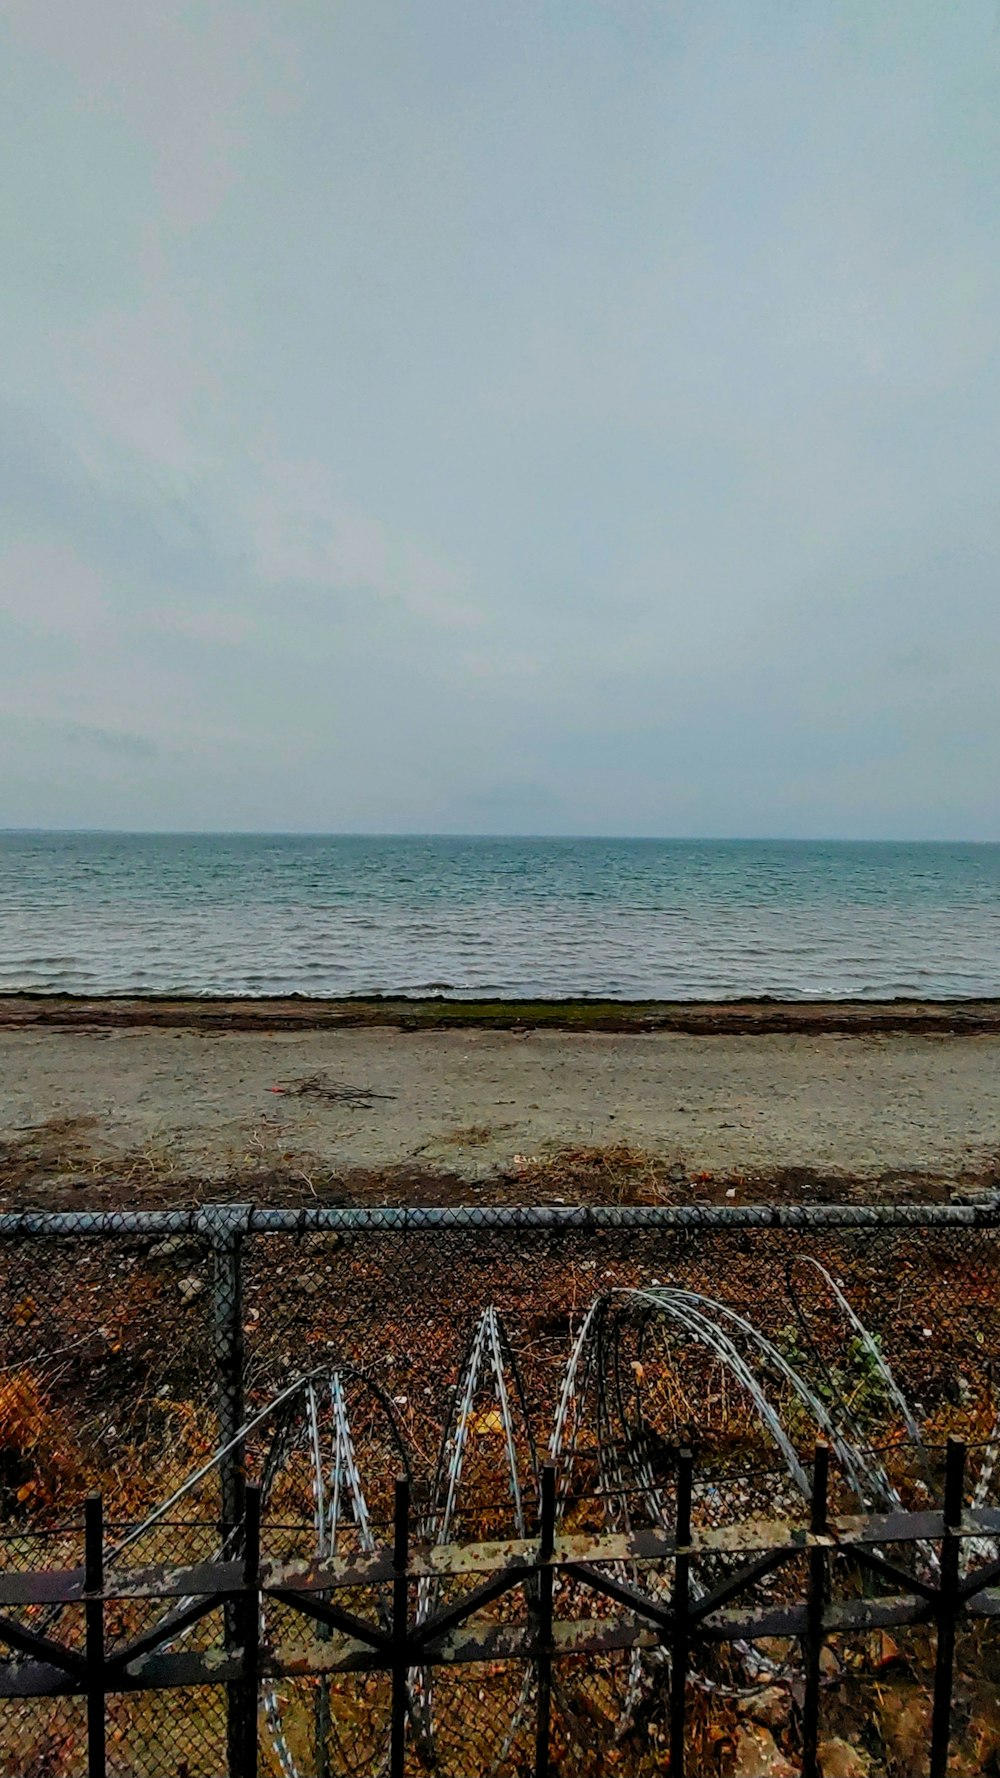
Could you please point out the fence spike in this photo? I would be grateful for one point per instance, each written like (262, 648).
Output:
(948, 1607)
(93, 1558)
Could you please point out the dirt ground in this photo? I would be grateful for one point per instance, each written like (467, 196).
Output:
(212, 1105)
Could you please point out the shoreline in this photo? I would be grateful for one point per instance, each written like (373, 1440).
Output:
(24, 1010)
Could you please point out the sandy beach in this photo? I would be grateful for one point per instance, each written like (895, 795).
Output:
(134, 1107)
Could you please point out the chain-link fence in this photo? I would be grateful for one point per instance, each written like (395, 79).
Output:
(131, 1345)
(165, 1358)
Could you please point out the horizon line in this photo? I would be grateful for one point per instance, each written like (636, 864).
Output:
(306, 833)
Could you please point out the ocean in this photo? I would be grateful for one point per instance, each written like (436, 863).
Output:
(98, 913)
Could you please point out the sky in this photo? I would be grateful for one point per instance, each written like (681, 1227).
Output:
(534, 416)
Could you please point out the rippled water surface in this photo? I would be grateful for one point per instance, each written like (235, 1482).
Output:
(93, 913)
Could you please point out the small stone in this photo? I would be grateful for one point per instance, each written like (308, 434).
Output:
(757, 1754)
(189, 1288)
(172, 1247)
(771, 1707)
(838, 1759)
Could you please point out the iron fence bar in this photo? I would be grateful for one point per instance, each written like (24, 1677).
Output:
(222, 1578)
(445, 1621)
(877, 1564)
(323, 1718)
(42, 1648)
(505, 1218)
(93, 1559)
(977, 1581)
(738, 1583)
(172, 1625)
(622, 1594)
(514, 1559)
(643, 1548)
(400, 1626)
(815, 1602)
(223, 1226)
(736, 1625)
(543, 1620)
(333, 1618)
(680, 1640)
(571, 1638)
(48, 1225)
(249, 1611)
(949, 1606)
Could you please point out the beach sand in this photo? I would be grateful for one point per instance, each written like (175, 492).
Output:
(140, 1110)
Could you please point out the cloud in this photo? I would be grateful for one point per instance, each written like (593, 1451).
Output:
(304, 535)
(187, 82)
(47, 590)
(117, 513)
(598, 401)
(106, 740)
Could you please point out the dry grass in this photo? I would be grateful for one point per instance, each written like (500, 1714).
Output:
(64, 1165)
(619, 1175)
(59, 1159)
(467, 1136)
(38, 1456)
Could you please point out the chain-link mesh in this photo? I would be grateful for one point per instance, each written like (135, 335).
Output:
(105, 1370)
(156, 1359)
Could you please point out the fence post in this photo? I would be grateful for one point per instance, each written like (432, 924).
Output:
(93, 1582)
(224, 1227)
(400, 1625)
(680, 1640)
(543, 1656)
(948, 1606)
(815, 1603)
(250, 1631)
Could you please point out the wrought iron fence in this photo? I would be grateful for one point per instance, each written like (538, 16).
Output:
(580, 1597)
(170, 1359)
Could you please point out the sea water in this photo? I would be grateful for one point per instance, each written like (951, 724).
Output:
(95, 913)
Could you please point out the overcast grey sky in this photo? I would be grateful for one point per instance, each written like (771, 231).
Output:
(517, 415)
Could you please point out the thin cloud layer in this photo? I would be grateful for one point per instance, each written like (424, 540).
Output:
(560, 417)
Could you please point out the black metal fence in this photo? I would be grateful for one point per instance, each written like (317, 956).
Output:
(154, 1357)
(364, 1618)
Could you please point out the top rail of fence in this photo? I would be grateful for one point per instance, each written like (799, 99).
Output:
(220, 1221)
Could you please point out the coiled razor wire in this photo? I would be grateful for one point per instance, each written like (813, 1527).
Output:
(337, 1492)
(310, 1421)
(713, 1325)
(489, 1366)
(589, 1359)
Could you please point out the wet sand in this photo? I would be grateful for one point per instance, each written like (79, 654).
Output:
(211, 1104)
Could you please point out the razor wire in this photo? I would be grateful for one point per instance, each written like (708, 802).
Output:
(602, 1413)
